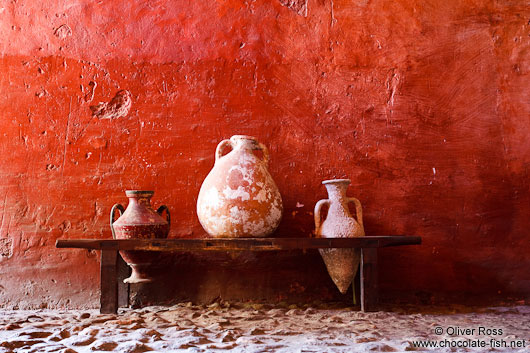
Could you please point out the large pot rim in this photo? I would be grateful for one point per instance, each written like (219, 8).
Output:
(243, 137)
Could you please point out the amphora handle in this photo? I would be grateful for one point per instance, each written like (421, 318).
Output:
(112, 219)
(220, 147)
(318, 207)
(263, 148)
(358, 210)
(163, 208)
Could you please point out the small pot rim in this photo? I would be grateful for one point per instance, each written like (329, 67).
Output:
(139, 192)
(336, 181)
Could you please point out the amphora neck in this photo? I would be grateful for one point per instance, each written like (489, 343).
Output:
(337, 188)
(139, 197)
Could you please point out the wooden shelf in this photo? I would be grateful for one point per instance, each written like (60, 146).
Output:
(239, 244)
(115, 293)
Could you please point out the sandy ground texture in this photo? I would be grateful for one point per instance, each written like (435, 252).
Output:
(222, 327)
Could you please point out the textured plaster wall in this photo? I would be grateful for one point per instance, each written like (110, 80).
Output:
(425, 105)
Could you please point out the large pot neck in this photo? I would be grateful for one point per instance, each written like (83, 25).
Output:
(240, 142)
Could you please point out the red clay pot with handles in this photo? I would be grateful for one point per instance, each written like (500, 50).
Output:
(139, 221)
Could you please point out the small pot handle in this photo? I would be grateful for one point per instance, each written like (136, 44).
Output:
(220, 147)
(318, 207)
(358, 210)
(168, 216)
(112, 220)
(265, 151)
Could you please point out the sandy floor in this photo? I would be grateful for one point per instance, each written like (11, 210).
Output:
(260, 328)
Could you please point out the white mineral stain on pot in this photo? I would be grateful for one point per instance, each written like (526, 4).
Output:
(238, 193)
(212, 199)
(262, 196)
(257, 227)
(275, 213)
(239, 215)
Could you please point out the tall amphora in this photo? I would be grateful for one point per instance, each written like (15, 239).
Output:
(342, 264)
(239, 198)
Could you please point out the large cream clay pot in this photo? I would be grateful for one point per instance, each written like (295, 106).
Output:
(239, 198)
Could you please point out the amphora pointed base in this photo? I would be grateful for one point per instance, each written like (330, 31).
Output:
(342, 266)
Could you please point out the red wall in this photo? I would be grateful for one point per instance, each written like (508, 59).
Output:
(423, 104)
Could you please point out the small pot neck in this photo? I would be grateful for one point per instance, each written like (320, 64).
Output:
(139, 197)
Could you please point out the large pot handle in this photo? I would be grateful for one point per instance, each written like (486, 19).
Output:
(168, 216)
(220, 147)
(265, 151)
(358, 209)
(112, 220)
(318, 221)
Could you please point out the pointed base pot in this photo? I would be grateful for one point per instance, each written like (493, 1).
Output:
(342, 266)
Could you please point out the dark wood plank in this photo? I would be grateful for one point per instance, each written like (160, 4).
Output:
(238, 244)
(369, 280)
(109, 282)
(123, 288)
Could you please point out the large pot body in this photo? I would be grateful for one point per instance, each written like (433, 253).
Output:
(139, 221)
(239, 198)
(342, 264)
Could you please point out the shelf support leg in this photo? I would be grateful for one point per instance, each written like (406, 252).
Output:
(109, 282)
(369, 285)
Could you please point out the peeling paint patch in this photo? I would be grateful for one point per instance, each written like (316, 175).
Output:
(118, 107)
(392, 85)
(6, 250)
(63, 31)
(89, 96)
(298, 6)
(65, 226)
(41, 93)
